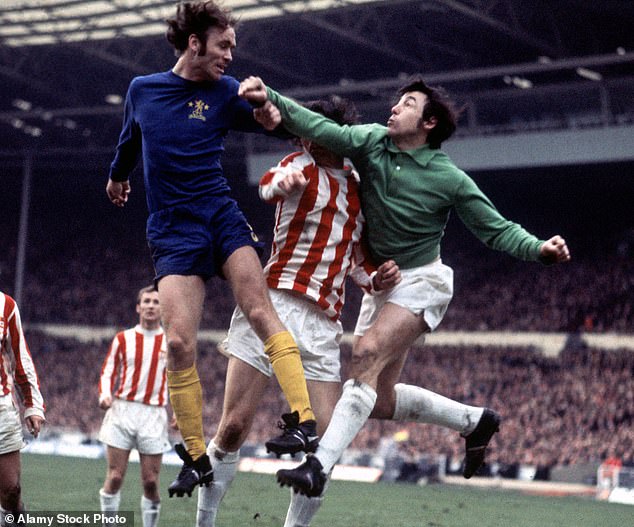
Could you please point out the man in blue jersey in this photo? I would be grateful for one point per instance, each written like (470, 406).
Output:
(177, 121)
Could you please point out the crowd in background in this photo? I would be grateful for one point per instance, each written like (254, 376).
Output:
(85, 260)
(576, 408)
(89, 287)
(84, 257)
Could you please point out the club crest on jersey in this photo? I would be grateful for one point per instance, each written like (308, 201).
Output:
(198, 108)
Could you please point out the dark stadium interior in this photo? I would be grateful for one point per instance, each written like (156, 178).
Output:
(480, 51)
(85, 258)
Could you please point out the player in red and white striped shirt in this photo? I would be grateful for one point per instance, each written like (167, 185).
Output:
(317, 234)
(316, 245)
(136, 416)
(16, 370)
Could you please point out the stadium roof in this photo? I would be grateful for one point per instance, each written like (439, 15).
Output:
(65, 64)
(36, 22)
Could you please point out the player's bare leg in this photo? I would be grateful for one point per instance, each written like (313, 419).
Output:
(182, 300)
(244, 272)
(407, 403)
(377, 361)
(382, 345)
(110, 495)
(151, 499)
(244, 389)
(117, 467)
(10, 491)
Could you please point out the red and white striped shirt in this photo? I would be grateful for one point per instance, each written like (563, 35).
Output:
(317, 235)
(16, 364)
(138, 357)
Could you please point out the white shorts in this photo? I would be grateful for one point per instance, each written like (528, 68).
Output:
(427, 290)
(316, 335)
(128, 425)
(11, 438)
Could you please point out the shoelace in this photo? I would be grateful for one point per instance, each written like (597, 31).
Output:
(187, 468)
(287, 429)
(294, 432)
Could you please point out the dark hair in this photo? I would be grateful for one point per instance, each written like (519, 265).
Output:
(195, 18)
(340, 110)
(438, 106)
(148, 289)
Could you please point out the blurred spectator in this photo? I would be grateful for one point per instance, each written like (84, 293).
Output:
(494, 294)
(576, 408)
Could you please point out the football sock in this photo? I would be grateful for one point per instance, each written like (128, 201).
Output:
(150, 511)
(225, 465)
(350, 414)
(109, 502)
(422, 406)
(186, 397)
(283, 354)
(302, 509)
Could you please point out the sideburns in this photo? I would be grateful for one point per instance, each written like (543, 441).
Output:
(202, 50)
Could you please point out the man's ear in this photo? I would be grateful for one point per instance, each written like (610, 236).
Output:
(430, 123)
(193, 43)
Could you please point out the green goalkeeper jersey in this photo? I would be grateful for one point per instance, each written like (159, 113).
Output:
(407, 195)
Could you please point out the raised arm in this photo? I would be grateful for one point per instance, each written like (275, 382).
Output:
(482, 218)
(346, 141)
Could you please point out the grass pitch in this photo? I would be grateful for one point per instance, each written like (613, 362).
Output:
(68, 484)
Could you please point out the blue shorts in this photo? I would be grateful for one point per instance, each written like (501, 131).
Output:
(197, 238)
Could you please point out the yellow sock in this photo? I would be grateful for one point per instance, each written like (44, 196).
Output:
(186, 397)
(287, 365)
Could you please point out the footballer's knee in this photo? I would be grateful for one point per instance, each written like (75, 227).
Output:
(114, 481)
(231, 435)
(150, 488)
(366, 356)
(180, 353)
(177, 345)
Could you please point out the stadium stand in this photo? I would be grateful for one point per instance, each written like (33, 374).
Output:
(567, 410)
(573, 409)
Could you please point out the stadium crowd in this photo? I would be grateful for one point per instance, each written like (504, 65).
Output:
(580, 296)
(81, 266)
(576, 408)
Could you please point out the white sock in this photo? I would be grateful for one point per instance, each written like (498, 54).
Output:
(302, 509)
(150, 511)
(350, 414)
(109, 502)
(422, 406)
(225, 465)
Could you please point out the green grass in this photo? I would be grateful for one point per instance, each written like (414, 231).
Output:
(64, 484)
